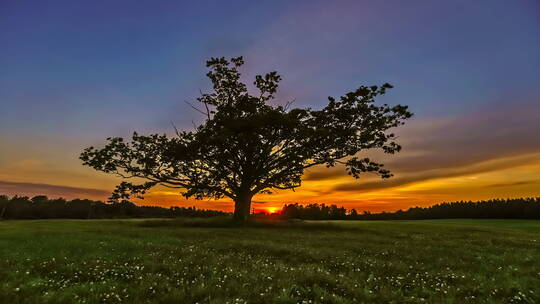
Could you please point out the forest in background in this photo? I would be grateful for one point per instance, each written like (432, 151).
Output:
(519, 208)
(42, 207)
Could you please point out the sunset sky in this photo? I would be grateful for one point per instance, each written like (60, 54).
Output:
(75, 72)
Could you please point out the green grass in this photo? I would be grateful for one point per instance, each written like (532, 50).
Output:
(212, 261)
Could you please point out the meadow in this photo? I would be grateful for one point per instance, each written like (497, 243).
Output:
(214, 261)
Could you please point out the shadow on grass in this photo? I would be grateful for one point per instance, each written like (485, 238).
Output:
(228, 222)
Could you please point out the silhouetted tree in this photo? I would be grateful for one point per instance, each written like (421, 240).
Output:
(41, 207)
(247, 146)
(519, 208)
(22, 207)
(4, 201)
(39, 199)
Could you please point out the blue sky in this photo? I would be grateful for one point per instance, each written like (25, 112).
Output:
(75, 72)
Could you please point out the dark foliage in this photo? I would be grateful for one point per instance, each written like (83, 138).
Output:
(247, 146)
(520, 208)
(41, 207)
(314, 212)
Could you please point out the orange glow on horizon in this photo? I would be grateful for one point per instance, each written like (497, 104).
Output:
(517, 180)
(511, 177)
(268, 210)
(272, 209)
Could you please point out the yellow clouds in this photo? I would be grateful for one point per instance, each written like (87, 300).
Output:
(506, 177)
(515, 176)
(53, 191)
(481, 155)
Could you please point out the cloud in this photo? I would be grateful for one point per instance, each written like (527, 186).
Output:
(323, 173)
(481, 135)
(520, 183)
(408, 178)
(31, 189)
(481, 141)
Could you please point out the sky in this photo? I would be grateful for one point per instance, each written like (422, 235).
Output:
(73, 73)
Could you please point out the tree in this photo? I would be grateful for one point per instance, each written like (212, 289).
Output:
(353, 214)
(4, 201)
(246, 146)
(39, 199)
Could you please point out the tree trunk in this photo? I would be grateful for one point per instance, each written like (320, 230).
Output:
(3, 210)
(242, 207)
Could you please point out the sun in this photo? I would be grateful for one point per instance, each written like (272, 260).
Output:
(272, 209)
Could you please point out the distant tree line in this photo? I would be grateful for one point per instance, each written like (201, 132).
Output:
(520, 208)
(316, 212)
(41, 207)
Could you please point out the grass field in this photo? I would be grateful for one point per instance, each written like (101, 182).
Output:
(207, 261)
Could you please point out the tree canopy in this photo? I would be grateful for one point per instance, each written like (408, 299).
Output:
(247, 146)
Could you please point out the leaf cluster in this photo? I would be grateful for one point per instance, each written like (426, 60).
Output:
(248, 146)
